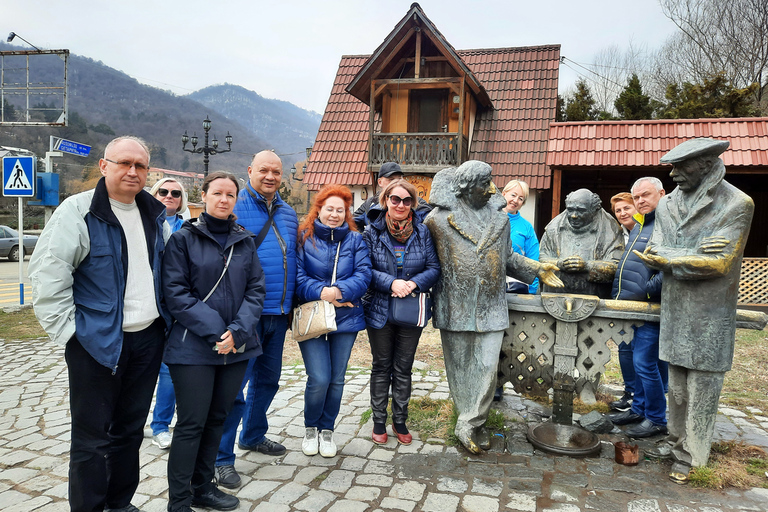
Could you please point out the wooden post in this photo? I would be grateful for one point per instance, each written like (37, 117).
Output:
(371, 125)
(557, 183)
(460, 134)
(417, 62)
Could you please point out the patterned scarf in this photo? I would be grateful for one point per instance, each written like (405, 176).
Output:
(400, 230)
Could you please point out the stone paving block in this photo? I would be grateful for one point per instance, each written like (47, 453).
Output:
(485, 470)
(296, 458)
(487, 487)
(60, 490)
(274, 472)
(672, 507)
(396, 504)
(449, 484)
(380, 480)
(256, 489)
(315, 501)
(349, 506)
(338, 481)
(363, 493)
(562, 507)
(307, 475)
(267, 506)
(154, 486)
(11, 458)
(412, 491)
(353, 463)
(8, 498)
(288, 493)
(563, 493)
(428, 449)
(17, 476)
(358, 447)
(378, 467)
(40, 483)
(733, 413)
(414, 447)
(479, 504)
(521, 502)
(386, 455)
(438, 502)
(643, 506)
(58, 448)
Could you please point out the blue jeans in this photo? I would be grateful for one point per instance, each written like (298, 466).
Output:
(263, 379)
(325, 359)
(627, 367)
(649, 399)
(165, 402)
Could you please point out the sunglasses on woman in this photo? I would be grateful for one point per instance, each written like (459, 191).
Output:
(407, 201)
(164, 192)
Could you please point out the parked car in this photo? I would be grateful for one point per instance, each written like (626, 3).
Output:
(9, 243)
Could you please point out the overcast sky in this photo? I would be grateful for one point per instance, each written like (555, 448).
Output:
(290, 50)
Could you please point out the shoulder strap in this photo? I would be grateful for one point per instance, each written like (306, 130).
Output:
(270, 220)
(336, 263)
(226, 266)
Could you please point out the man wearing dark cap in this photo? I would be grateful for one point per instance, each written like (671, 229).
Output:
(698, 242)
(388, 172)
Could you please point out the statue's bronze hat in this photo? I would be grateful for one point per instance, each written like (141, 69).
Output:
(693, 148)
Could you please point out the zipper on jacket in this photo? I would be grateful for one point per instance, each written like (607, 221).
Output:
(624, 261)
(284, 249)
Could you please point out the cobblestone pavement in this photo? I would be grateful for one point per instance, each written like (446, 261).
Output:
(425, 476)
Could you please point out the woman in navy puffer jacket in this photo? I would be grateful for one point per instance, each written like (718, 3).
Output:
(404, 262)
(327, 228)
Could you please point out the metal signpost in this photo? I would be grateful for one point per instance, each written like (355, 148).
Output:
(19, 181)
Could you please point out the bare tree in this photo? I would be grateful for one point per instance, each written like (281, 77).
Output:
(716, 36)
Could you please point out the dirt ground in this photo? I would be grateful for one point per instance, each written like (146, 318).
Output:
(429, 352)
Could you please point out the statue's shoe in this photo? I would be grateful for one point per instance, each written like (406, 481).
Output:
(679, 473)
(464, 434)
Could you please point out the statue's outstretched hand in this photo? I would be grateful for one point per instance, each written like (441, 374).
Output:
(651, 258)
(713, 244)
(547, 275)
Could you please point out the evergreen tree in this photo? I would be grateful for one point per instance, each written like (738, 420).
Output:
(714, 98)
(581, 105)
(632, 103)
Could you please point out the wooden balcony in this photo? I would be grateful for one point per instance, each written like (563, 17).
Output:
(418, 151)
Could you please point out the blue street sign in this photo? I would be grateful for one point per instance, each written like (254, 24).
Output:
(71, 147)
(19, 176)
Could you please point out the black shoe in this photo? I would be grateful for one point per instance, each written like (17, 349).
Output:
(625, 418)
(623, 403)
(129, 508)
(267, 446)
(662, 451)
(498, 394)
(646, 428)
(215, 499)
(226, 476)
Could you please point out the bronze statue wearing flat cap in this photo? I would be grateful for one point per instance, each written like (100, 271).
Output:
(698, 242)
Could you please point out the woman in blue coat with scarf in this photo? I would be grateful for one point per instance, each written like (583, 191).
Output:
(404, 262)
(213, 287)
(328, 230)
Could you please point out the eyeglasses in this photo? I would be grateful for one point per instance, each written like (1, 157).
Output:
(127, 165)
(162, 192)
(395, 200)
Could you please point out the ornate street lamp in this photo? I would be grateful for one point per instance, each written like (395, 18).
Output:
(206, 150)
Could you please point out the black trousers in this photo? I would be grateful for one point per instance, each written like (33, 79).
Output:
(108, 415)
(393, 348)
(204, 397)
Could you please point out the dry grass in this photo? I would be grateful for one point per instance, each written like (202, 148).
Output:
(20, 325)
(733, 464)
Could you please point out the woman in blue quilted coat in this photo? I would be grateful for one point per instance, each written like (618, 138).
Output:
(404, 262)
(327, 229)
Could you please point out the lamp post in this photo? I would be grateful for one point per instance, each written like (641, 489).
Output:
(14, 35)
(206, 150)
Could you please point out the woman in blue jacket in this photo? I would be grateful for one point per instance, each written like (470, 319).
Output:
(327, 229)
(214, 288)
(404, 261)
(171, 193)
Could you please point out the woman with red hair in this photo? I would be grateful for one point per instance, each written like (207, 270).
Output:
(328, 230)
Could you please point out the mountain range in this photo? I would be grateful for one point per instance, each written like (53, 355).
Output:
(105, 102)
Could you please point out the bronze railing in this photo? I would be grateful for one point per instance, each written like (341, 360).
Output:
(417, 149)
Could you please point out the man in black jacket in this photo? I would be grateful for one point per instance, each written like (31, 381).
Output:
(635, 281)
(388, 172)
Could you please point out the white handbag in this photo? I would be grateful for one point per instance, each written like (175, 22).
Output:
(317, 317)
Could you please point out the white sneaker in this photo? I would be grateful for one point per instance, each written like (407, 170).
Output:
(327, 446)
(162, 440)
(309, 443)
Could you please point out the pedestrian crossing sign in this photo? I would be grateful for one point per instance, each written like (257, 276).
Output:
(19, 176)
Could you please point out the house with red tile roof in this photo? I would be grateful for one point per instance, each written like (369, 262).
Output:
(608, 156)
(418, 101)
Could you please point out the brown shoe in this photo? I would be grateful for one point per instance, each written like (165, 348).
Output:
(405, 439)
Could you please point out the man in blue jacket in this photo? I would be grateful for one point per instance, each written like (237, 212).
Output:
(635, 281)
(96, 290)
(274, 223)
